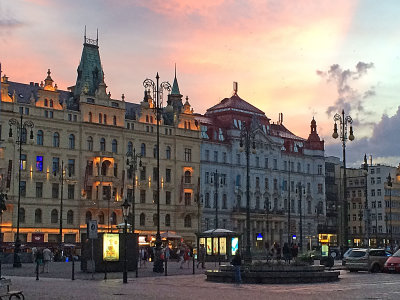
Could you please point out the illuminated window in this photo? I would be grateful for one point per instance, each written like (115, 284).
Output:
(23, 161)
(39, 163)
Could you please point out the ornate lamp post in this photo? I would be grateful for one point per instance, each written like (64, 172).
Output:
(344, 121)
(21, 127)
(389, 185)
(125, 212)
(247, 144)
(367, 212)
(157, 89)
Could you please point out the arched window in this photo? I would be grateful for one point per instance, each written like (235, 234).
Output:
(100, 118)
(155, 219)
(115, 121)
(70, 217)
(22, 215)
(71, 141)
(155, 151)
(54, 216)
(113, 218)
(90, 143)
(101, 217)
(188, 221)
(142, 219)
(168, 152)
(102, 144)
(143, 150)
(130, 147)
(46, 102)
(114, 146)
(56, 140)
(90, 117)
(224, 201)
(39, 137)
(188, 177)
(105, 119)
(167, 220)
(38, 215)
(88, 216)
(104, 167)
(51, 103)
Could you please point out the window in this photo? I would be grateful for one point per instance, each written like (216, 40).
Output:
(46, 102)
(113, 220)
(167, 175)
(372, 180)
(168, 152)
(90, 117)
(100, 118)
(155, 175)
(379, 204)
(142, 196)
(275, 164)
(378, 180)
(167, 220)
(22, 215)
(71, 167)
(266, 183)
(188, 221)
(373, 204)
(216, 156)
(266, 162)
(257, 182)
(167, 197)
(54, 190)
(275, 184)
(38, 215)
(155, 220)
(71, 191)
(130, 147)
(155, 151)
(319, 169)
(39, 137)
(188, 177)
(70, 217)
(23, 188)
(71, 141)
(54, 216)
(257, 162)
(207, 155)
(39, 163)
(188, 154)
(115, 121)
(24, 135)
(224, 157)
(372, 192)
(102, 144)
(143, 150)
(90, 143)
(56, 140)
(39, 189)
(114, 146)
(88, 216)
(238, 158)
(320, 191)
(101, 217)
(143, 173)
(379, 192)
(224, 201)
(142, 219)
(23, 161)
(188, 197)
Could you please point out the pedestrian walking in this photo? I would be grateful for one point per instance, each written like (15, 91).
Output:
(201, 256)
(181, 253)
(39, 259)
(237, 262)
(295, 251)
(186, 256)
(47, 256)
(286, 252)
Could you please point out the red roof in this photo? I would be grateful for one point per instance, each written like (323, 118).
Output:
(234, 103)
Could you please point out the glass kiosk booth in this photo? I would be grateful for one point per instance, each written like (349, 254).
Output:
(221, 244)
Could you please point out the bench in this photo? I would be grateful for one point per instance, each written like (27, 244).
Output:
(5, 292)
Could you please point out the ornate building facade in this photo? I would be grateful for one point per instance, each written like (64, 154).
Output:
(89, 132)
(281, 167)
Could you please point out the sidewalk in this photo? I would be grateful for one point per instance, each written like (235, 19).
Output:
(64, 270)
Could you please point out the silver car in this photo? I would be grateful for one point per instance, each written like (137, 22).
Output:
(371, 260)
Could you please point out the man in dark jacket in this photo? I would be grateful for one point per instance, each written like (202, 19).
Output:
(237, 262)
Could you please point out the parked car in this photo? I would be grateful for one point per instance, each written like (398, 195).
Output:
(371, 260)
(346, 254)
(393, 263)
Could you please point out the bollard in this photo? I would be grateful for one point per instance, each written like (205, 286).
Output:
(166, 267)
(193, 263)
(37, 270)
(73, 268)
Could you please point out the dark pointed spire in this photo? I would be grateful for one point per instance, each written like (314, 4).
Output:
(175, 86)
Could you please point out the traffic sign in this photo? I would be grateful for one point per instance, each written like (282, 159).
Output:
(92, 229)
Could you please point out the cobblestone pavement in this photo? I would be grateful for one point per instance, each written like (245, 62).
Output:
(351, 286)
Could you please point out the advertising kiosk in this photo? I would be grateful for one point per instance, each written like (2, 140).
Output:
(220, 244)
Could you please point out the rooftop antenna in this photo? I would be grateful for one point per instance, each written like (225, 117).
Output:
(235, 88)
(97, 37)
(84, 41)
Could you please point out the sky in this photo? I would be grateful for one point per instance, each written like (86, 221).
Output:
(302, 58)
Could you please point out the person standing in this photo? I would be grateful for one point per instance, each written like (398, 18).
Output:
(47, 256)
(181, 254)
(237, 262)
(202, 256)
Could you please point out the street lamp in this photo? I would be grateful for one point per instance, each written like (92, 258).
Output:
(21, 127)
(300, 189)
(157, 89)
(216, 183)
(344, 121)
(247, 144)
(366, 214)
(389, 184)
(125, 212)
(132, 161)
(61, 204)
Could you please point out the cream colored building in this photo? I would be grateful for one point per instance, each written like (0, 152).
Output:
(89, 132)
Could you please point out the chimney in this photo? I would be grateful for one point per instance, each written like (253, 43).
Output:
(370, 160)
(235, 88)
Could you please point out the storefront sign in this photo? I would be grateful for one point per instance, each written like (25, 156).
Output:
(234, 245)
(259, 237)
(111, 247)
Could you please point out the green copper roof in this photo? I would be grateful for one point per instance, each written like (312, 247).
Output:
(175, 86)
(90, 71)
